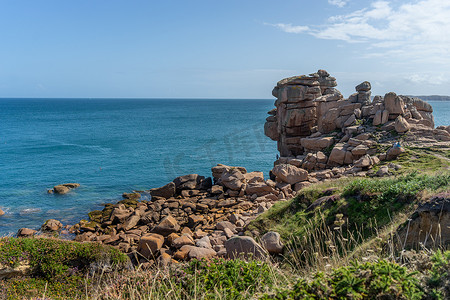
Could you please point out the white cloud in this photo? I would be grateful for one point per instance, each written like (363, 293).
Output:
(416, 29)
(427, 78)
(338, 3)
(289, 28)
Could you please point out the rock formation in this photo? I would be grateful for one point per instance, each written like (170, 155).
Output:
(310, 107)
(190, 217)
(429, 224)
(321, 135)
(63, 188)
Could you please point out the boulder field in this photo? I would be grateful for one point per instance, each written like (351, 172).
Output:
(321, 136)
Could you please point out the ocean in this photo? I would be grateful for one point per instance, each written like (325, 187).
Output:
(111, 146)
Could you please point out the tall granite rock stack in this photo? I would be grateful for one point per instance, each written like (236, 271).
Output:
(301, 102)
(311, 114)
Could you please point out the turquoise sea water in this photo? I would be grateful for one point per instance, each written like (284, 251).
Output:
(114, 146)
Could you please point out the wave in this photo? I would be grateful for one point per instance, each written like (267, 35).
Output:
(62, 145)
(27, 211)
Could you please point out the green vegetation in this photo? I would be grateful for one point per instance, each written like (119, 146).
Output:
(72, 287)
(53, 259)
(379, 280)
(438, 279)
(55, 266)
(360, 203)
(234, 278)
(423, 160)
(379, 199)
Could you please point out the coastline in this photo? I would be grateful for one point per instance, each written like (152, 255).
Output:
(343, 163)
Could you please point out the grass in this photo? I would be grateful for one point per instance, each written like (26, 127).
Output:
(361, 204)
(424, 160)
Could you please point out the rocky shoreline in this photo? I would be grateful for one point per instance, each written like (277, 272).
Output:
(321, 136)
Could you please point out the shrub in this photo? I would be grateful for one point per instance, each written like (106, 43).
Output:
(54, 259)
(378, 280)
(438, 280)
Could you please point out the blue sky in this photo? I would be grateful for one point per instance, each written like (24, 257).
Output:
(219, 49)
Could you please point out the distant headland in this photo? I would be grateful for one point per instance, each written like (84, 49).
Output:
(433, 98)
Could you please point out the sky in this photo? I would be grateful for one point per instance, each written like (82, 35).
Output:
(219, 49)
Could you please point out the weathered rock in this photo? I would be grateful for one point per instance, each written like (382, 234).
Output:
(317, 144)
(203, 242)
(225, 224)
(183, 240)
(271, 130)
(429, 225)
(394, 104)
(244, 244)
(289, 173)
(65, 188)
(259, 188)
(401, 125)
(150, 244)
(363, 162)
(133, 196)
(271, 241)
(385, 117)
(164, 260)
(254, 177)
(26, 232)
(165, 191)
(218, 170)
(182, 253)
(232, 179)
(420, 105)
(393, 152)
(364, 86)
(337, 155)
(167, 226)
(360, 150)
(192, 182)
(194, 220)
(383, 171)
(377, 118)
(131, 221)
(199, 253)
(216, 189)
(51, 225)
(60, 189)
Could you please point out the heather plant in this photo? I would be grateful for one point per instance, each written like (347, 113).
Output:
(378, 280)
(438, 279)
(54, 259)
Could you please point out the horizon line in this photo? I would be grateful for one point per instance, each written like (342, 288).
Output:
(135, 98)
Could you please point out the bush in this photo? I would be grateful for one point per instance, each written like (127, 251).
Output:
(438, 280)
(54, 259)
(380, 280)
